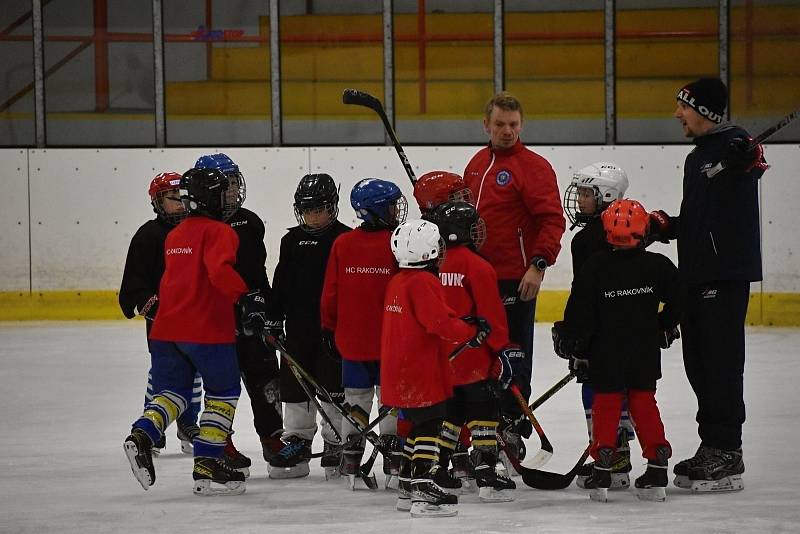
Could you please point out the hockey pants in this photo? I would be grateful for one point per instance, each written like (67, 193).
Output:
(647, 419)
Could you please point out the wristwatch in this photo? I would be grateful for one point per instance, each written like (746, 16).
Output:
(539, 262)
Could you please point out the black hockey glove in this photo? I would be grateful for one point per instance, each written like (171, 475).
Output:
(483, 330)
(252, 312)
(565, 343)
(668, 336)
(500, 369)
(580, 368)
(329, 346)
(274, 328)
(741, 157)
(148, 309)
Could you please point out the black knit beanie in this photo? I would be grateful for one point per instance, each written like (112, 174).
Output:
(707, 96)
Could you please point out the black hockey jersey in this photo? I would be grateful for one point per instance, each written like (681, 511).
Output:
(251, 258)
(299, 278)
(615, 299)
(589, 240)
(144, 267)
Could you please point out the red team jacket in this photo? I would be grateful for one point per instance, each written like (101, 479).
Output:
(517, 195)
(199, 287)
(470, 288)
(359, 268)
(415, 369)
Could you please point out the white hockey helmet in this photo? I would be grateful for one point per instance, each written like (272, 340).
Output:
(609, 183)
(416, 244)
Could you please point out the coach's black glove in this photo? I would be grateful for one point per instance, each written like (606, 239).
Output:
(580, 368)
(148, 309)
(668, 336)
(252, 312)
(329, 345)
(741, 157)
(483, 330)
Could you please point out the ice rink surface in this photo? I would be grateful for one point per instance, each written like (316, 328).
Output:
(71, 391)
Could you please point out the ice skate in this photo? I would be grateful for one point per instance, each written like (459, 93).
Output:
(292, 460)
(651, 486)
(351, 461)
(235, 459)
(681, 469)
(515, 444)
(601, 475)
(462, 470)
(271, 445)
(331, 460)
(404, 494)
(429, 500)
(138, 449)
(721, 471)
(391, 462)
(215, 477)
(620, 472)
(186, 434)
(494, 484)
(446, 481)
(159, 446)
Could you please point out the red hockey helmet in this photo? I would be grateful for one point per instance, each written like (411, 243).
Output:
(625, 222)
(160, 186)
(437, 187)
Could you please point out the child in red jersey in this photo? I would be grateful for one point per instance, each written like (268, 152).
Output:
(359, 268)
(194, 328)
(470, 288)
(419, 331)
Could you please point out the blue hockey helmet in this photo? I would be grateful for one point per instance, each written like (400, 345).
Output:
(379, 203)
(237, 190)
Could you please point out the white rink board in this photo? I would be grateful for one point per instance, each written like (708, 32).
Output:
(85, 204)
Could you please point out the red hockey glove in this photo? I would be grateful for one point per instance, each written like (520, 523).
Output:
(660, 226)
(741, 157)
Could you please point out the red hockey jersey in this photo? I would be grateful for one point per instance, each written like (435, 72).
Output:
(359, 268)
(199, 287)
(470, 288)
(417, 328)
(517, 195)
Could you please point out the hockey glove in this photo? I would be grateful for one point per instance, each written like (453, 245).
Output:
(500, 369)
(274, 328)
(329, 346)
(660, 227)
(741, 157)
(564, 340)
(252, 312)
(148, 309)
(482, 330)
(579, 368)
(668, 336)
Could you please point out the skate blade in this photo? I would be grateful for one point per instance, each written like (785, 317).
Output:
(618, 481)
(488, 494)
(141, 474)
(599, 495)
(391, 483)
(731, 483)
(154, 452)
(651, 494)
(426, 509)
(682, 481)
(403, 503)
(283, 473)
(209, 488)
(332, 472)
(186, 447)
(468, 486)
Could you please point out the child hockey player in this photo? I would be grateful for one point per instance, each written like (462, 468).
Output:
(437, 187)
(415, 369)
(470, 288)
(258, 365)
(195, 329)
(592, 189)
(618, 329)
(359, 268)
(296, 295)
(138, 294)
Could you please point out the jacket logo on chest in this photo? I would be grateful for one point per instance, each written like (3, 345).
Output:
(503, 178)
(452, 279)
(628, 292)
(394, 307)
(179, 250)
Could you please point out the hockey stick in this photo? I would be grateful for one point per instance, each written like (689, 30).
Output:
(552, 391)
(370, 481)
(546, 480)
(360, 98)
(760, 138)
(546, 452)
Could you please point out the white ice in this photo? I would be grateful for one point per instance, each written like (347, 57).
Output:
(71, 391)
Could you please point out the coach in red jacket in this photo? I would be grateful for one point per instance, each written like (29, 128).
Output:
(517, 195)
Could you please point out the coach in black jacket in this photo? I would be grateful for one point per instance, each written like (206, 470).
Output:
(719, 254)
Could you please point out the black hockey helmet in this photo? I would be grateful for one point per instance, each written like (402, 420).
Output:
(459, 223)
(315, 193)
(203, 192)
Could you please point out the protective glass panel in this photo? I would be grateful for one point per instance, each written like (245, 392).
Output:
(16, 70)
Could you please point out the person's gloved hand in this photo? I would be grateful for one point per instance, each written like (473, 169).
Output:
(742, 157)
(482, 330)
(500, 369)
(668, 336)
(580, 368)
(252, 312)
(329, 345)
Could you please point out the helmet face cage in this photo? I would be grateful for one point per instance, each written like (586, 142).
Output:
(316, 193)
(478, 233)
(167, 184)
(235, 195)
(572, 209)
(379, 203)
(462, 195)
(301, 211)
(607, 180)
(459, 223)
(158, 205)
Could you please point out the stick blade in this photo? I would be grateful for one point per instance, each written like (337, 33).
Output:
(545, 480)
(537, 460)
(361, 98)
